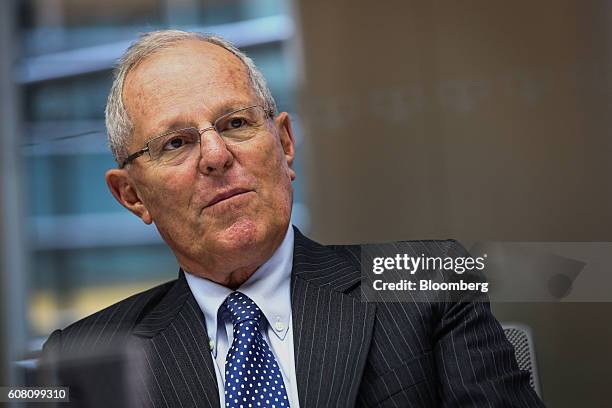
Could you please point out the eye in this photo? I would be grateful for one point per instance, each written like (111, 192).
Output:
(178, 141)
(237, 123)
(174, 143)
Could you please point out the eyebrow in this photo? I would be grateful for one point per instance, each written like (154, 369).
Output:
(176, 124)
(170, 127)
(231, 106)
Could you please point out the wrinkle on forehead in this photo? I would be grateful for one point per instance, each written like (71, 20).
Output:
(175, 77)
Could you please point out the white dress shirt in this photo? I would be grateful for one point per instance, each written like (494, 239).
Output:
(270, 288)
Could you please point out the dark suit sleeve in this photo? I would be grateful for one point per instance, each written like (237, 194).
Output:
(48, 373)
(94, 377)
(49, 368)
(475, 361)
(52, 346)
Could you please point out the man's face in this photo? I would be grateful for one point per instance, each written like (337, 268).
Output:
(227, 207)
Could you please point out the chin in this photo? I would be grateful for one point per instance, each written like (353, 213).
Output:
(242, 234)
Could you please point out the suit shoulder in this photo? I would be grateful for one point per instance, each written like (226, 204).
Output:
(354, 253)
(445, 246)
(116, 321)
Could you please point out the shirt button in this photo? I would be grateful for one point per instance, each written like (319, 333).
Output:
(211, 345)
(279, 326)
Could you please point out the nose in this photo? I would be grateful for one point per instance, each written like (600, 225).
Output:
(215, 158)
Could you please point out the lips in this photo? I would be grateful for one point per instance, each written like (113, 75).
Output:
(226, 194)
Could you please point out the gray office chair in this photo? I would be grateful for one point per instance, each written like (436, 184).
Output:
(521, 339)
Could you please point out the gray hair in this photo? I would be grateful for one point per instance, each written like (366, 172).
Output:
(118, 124)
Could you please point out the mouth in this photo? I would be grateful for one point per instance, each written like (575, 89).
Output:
(227, 195)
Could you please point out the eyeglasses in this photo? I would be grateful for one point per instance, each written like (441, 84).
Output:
(173, 147)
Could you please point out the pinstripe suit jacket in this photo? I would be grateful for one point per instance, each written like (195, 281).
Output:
(348, 352)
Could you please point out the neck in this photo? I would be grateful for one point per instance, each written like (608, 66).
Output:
(230, 270)
(231, 278)
(234, 279)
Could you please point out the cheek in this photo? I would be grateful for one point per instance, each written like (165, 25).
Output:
(270, 168)
(277, 175)
(165, 193)
(273, 157)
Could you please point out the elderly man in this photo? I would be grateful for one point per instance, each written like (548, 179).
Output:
(259, 315)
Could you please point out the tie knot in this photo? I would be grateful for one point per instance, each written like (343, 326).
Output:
(241, 308)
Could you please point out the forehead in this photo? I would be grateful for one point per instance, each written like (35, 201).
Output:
(191, 78)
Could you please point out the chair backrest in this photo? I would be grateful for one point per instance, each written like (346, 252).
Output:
(521, 339)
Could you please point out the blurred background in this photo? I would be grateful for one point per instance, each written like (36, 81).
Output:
(476, 120)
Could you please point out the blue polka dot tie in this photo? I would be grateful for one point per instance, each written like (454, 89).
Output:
(252, 376)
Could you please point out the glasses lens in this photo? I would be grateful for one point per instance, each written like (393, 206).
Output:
(240, 126)
(174, 146)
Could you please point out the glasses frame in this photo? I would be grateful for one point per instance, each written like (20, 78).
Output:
(268, 112)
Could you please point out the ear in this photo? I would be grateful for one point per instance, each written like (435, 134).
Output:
(285, 134)
(121, 186)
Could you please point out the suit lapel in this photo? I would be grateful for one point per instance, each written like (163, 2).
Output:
(332, 330)
(175, 365)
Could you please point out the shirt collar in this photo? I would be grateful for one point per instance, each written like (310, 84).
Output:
(210, 296)
(269, 287)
